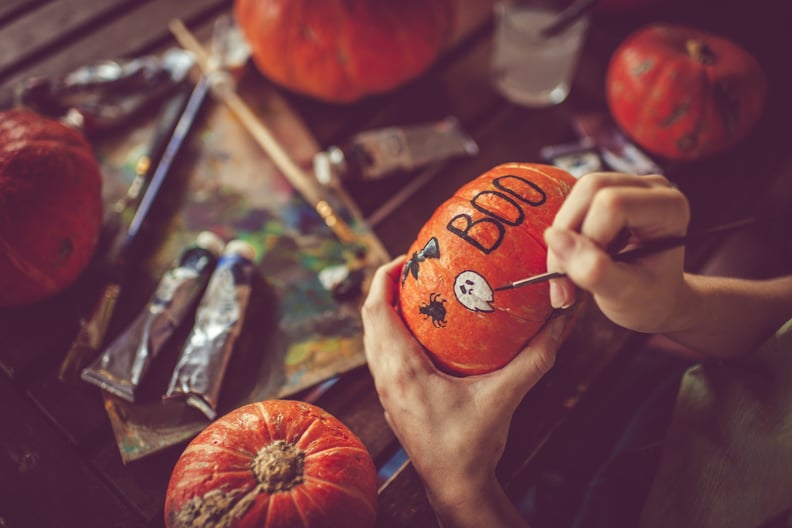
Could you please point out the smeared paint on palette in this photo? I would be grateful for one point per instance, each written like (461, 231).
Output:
(301, 334)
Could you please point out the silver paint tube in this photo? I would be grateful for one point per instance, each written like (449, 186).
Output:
(124, 363)
(376, 154)
(198, 375)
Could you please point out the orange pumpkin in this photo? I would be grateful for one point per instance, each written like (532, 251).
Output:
(683, 93)
(487, 235)
(50, 206)
(343, 50)
(273, 464)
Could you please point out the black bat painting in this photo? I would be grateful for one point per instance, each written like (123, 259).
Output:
(430, 250)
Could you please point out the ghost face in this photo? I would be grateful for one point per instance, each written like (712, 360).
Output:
(473, 291)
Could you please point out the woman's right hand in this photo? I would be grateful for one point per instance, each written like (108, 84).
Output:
(604, 210)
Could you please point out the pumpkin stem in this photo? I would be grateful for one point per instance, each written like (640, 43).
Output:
(700, 52)
(279, 466)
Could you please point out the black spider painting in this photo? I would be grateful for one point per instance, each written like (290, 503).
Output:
(435, 309)
(430, 250)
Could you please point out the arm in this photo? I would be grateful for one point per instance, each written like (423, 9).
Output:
(720, 317)
(726, 317)
(454, 429)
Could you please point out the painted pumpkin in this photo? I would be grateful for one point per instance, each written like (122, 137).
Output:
(683, 93)
(273, 464)
(50, 206)
(487, 235)
(343, 50)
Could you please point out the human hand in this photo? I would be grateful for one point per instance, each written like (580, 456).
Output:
(454, 429)
(604, 209)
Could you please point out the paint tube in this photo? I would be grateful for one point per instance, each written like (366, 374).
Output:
(121, 367)
(198, 374)
(578, 158)
(375, 154)
(615, 148)
(102, 95)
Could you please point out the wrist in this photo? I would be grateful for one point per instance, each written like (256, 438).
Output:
(687, 301)
(461, 504)
(453, 495)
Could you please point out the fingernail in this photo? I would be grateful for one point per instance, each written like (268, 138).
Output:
(557, 296)
(560, 242)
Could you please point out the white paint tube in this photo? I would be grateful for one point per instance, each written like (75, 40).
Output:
(198, 375)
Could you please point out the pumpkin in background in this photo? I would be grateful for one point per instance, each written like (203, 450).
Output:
(683, 93)
(343, 50)
(273, 464)
(50, 206)
(488, 234)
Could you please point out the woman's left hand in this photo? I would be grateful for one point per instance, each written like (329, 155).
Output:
(454, 429)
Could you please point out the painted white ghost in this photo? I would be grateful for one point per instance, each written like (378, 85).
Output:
(473, 292)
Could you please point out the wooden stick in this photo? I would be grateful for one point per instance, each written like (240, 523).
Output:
(222, 88)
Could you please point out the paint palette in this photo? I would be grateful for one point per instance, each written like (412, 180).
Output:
(299, 331)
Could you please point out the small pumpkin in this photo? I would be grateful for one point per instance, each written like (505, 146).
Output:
(343, 50)
(487, 235)
(273, 464)
(50, 206)
(683, 93)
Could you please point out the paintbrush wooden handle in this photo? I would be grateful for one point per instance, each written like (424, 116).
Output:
(223, 90)
(91, 334)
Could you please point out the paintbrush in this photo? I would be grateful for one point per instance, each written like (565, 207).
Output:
(224, 91)
(567, 17)
(148, 161)
(93, 329)
(649, 248)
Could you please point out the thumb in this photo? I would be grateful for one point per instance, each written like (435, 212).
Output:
(517, 377)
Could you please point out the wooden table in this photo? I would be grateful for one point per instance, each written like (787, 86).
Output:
(59, 464)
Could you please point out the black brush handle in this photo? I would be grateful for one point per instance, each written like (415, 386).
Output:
(662, 244)
(650, 248)
(174, 145)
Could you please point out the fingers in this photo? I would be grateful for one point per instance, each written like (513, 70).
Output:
(603, 208)
(577, 210)
(645, 213)
(577, 204)
(383, 283)
(379, 318)
(390, 348)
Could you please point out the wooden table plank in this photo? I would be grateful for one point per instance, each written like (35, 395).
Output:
(11, 9)
(142, 482)
(33, 337)
(43, 482)
(141, 30)
(75, 408)
(49, 26)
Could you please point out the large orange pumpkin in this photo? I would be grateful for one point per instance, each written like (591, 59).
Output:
(273, 464)
(487, 235)
(683, 93)
(343, 50)
(50, 206)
